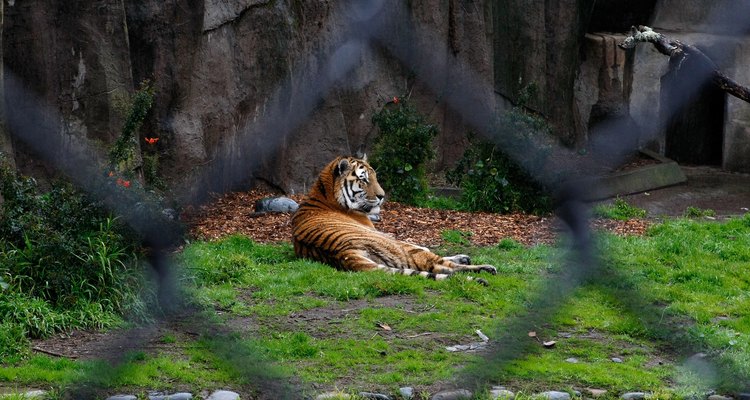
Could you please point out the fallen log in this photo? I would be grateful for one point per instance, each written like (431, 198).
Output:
(678, 52)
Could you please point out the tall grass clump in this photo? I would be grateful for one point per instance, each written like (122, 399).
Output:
(619, 209)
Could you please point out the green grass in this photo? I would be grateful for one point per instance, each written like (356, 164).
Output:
(656, 300)
(619, 209)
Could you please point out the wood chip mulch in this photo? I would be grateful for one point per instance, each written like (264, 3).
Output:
(234, 213)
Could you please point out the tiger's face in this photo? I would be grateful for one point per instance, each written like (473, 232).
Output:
(357, 186)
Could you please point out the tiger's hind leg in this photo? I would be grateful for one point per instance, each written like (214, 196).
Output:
(429, 261)
(355, 261)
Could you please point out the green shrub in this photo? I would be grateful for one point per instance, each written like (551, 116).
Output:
(492, 181)
(441, 203)
(456, 237)
(491, 178)
(35, 316)
(695, 212)
(401, 151)
(61, 247)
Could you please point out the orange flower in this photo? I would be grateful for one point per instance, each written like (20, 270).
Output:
(111, 174)
(151, 140)
(395, 99)
(123, 183)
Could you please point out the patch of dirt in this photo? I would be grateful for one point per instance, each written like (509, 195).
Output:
(234, 213)
(113, 345)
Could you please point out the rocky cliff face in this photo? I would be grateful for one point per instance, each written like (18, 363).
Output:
(73, 58)
(245, 80)
(252, 91)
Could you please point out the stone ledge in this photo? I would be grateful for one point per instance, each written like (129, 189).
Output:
(666, 173)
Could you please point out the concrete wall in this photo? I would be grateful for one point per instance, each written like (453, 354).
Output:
(719, 28)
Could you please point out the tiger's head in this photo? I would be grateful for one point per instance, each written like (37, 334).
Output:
(355, 185)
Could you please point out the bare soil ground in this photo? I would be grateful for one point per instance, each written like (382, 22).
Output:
(234, 213)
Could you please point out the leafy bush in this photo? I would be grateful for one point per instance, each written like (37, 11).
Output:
(491, 178)
(13, 341)
(456, 237)
(62, 249)
(492, 181)
(401, 151)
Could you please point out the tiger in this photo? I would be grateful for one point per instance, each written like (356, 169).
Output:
(333, 225)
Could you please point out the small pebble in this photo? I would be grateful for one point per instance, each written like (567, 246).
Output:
(35, 394)
(633, 396)
(457, 394)
(223, 395)
(374, 396)
(406, 392)
(122, 397)
(333, 395)
(596, 392)
(500, 394)
(555, 395)
(176, 396)
(572, 360)
(718, 397)
(616, 359)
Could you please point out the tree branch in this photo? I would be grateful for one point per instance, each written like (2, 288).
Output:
(678, 52)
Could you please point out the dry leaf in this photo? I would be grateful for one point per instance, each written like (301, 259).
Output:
(532, 334)
(383, 326)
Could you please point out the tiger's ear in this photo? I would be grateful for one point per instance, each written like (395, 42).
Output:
(364, 157)
(342, 166)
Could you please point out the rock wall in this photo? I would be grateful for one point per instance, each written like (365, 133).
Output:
(285, 85)
(536, 43)
(222, 68)
(73, 58)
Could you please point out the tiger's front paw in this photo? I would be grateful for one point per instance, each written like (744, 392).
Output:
(488, 268)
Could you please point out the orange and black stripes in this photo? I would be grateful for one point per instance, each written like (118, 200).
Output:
(332, 226)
